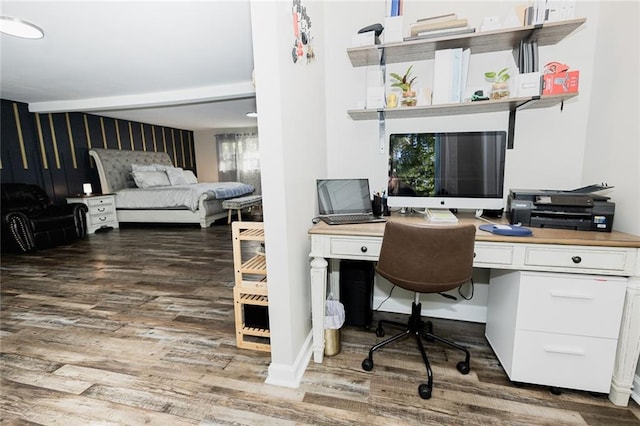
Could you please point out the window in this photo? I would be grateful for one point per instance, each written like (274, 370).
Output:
(239, 159)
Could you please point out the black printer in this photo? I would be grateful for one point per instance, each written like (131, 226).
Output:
(575, 209)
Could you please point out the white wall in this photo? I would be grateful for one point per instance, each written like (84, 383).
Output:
(612, 150)
(206, 155)
(291, 125)
(613, 144)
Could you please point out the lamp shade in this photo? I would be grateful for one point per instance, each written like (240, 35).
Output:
(86, 188)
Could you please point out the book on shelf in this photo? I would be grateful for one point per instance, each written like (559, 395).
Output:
(439, 18)
(441, 76)
(450, 70)
(526, 56)
(444, 32)
(456, 75)
(441, 216)
(419, 27)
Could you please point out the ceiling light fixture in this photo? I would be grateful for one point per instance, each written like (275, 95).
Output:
(19, 28)
(252, 114)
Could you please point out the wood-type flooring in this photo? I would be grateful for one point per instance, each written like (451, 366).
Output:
(135, 326)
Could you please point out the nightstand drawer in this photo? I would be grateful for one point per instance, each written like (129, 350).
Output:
(102, 219)
(100, 201)
(101, 209)
(356, 247)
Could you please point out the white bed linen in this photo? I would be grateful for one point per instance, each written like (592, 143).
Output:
(178, 196)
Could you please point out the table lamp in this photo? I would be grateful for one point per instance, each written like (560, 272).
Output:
(86, 187)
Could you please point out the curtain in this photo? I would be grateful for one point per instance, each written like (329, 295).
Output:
(239, 159)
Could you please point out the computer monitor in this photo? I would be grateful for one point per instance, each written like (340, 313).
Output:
(452, 170)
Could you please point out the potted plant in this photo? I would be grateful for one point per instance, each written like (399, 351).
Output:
(405, 84)
(500, 86)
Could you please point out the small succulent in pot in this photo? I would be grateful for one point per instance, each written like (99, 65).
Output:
(405, 83)
(501, 76)
(500, 87)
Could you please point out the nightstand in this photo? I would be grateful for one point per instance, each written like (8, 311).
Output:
(102, 211)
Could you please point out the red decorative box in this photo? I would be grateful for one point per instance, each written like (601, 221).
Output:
(561, 82)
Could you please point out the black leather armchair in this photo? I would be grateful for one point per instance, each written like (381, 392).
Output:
(30, 220)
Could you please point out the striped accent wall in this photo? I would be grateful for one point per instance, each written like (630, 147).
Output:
(51, 150)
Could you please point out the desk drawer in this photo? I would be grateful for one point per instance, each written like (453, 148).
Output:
(584, 305)
(576, 258)
(492, 254)
(355, 247)
(562, 360)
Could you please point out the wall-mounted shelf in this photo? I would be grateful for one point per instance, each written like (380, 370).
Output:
(509, 104)
(545, 34)
(480, 42)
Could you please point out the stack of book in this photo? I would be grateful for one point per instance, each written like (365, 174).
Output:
(526, 56)
(450, 70)
(440, 216)
(439, 26)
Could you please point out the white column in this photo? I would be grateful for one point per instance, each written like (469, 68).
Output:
(318, 297)
(628, 346)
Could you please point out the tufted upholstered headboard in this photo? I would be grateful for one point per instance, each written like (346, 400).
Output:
(114, 166)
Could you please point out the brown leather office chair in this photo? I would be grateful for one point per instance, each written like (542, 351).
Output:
(424, 259)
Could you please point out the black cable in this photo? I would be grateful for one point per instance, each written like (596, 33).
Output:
(387, 298)
(472, 291)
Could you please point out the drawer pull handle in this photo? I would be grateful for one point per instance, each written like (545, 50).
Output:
(576, 259)
(572, 295)
(102, 219)
(564, 351)
(363, 249)
(101, 209)
(474, 254)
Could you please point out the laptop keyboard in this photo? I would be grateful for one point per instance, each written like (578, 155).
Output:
(352, 218)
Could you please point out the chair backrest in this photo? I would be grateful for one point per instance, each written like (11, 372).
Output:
(427, 259)
(23, 197)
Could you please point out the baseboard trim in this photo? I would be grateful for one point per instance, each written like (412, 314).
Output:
(290, 375)
(635, 392)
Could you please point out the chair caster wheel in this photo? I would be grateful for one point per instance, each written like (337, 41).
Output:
(463, 367)
(379, 332)
(424, 391)
(367, 364)
(555, 391)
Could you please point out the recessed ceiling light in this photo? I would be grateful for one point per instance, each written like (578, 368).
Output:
(252, 114)
(19, 28)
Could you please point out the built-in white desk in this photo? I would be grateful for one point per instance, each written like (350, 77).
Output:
(556, 251)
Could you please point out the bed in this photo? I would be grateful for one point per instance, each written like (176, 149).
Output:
(178, 198)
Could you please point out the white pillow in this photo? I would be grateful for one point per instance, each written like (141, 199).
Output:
(178, 176)
(150, 179)
(190, 177)
(148, 167)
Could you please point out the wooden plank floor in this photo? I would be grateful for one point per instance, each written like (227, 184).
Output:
(136, 327)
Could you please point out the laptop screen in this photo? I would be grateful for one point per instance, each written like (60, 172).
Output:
(343, 196)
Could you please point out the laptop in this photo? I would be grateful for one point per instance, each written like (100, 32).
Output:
(344, 201)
